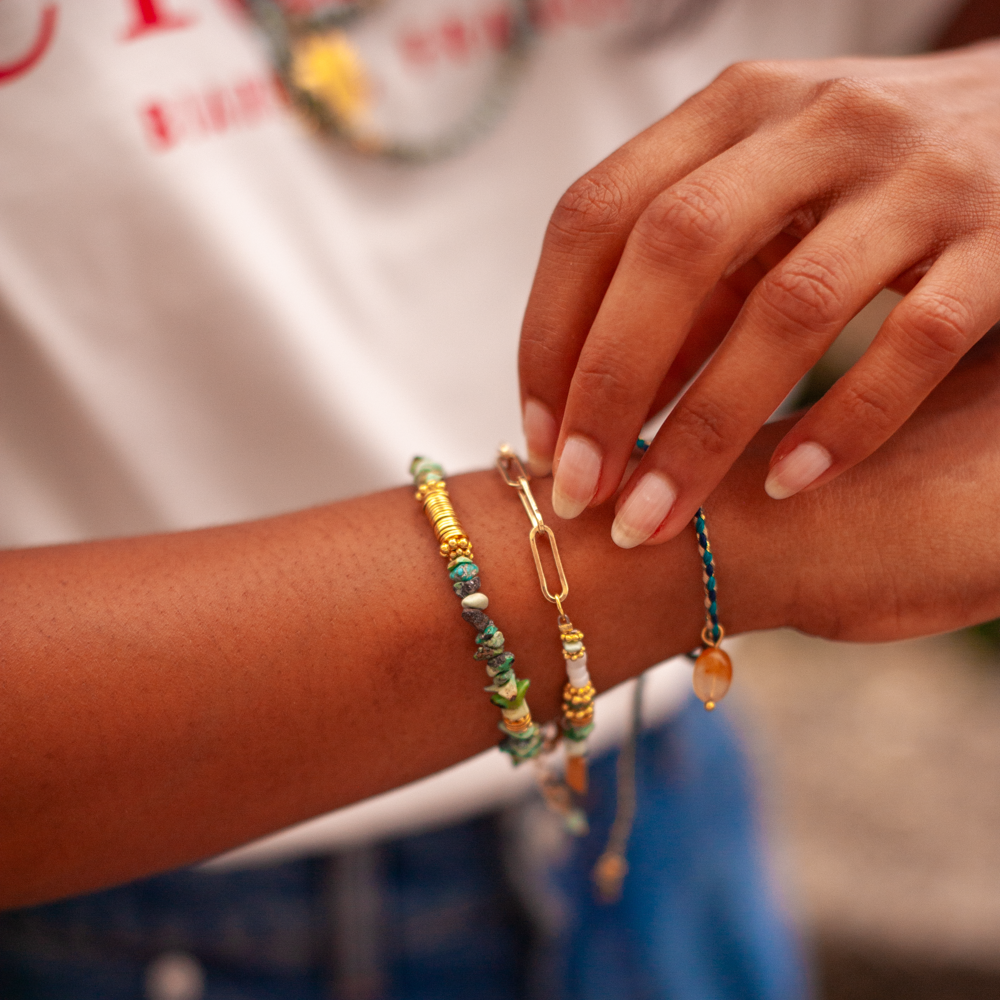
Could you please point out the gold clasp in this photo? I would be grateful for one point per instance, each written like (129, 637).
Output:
(507, 461)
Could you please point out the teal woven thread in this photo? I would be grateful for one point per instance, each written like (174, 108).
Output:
(708, 576)
(708, 566)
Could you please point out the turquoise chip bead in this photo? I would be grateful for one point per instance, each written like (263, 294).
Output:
(486, 633)
(421, 465)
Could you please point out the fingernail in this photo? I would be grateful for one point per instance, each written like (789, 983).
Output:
(797, 470)
(576, 477)
(644, 510)
(540, 432)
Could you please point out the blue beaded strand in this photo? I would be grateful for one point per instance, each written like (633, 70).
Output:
(708, 563)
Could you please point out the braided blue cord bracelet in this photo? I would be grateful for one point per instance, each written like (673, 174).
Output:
(713, 670)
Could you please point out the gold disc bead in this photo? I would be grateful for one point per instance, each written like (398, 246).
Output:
(518, 725)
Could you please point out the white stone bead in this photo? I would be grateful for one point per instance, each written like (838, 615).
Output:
(513, 714)
(576, 671)
(478, 600)
(573, 647)
(576, 748)
(509, 690)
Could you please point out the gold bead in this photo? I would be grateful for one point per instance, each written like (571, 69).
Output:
(518, 725)
(579, 696)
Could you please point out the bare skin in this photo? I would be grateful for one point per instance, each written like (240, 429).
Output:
(754, 222)
(165, 698)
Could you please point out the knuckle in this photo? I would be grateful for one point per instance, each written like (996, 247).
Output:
(751, 76)
(691, 218)
(883, 131)
(805, 295)
(739, 74)
(591, 206)
(540, 357)
(937, 327)
(869, 406)
(704, 426)
(857, 100)
(759, 89)
(954, 172)
(607, 380)
(865, 116)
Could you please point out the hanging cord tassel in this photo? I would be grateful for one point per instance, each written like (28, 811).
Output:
(611, 868)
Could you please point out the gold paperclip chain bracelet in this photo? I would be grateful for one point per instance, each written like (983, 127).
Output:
(578, 693)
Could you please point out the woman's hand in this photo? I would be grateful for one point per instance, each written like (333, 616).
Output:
(904, 545)
(758, 219)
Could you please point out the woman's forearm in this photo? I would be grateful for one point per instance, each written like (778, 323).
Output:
(165, 698)
(168, 697)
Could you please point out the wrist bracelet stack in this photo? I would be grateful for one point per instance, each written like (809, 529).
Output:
(522, 739)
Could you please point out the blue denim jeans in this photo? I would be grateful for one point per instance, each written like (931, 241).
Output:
(476, 910)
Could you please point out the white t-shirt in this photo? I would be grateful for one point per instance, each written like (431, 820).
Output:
(210, 313)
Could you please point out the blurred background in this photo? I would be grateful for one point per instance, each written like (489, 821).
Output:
(880, 774)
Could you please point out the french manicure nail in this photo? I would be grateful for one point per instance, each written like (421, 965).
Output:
(540, 433)
(801, 466)
(576, 477)
(644, 510)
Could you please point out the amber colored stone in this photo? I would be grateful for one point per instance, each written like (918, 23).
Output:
(576, 774)
(713, 673)
(609, 874)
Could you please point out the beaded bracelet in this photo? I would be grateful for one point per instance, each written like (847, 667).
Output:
(713, 670)
(578, 693)
(522, 739)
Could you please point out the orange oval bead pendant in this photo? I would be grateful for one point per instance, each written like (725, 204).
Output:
(713, 673)
(576, 774)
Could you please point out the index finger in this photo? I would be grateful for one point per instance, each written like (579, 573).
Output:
(587, 235)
